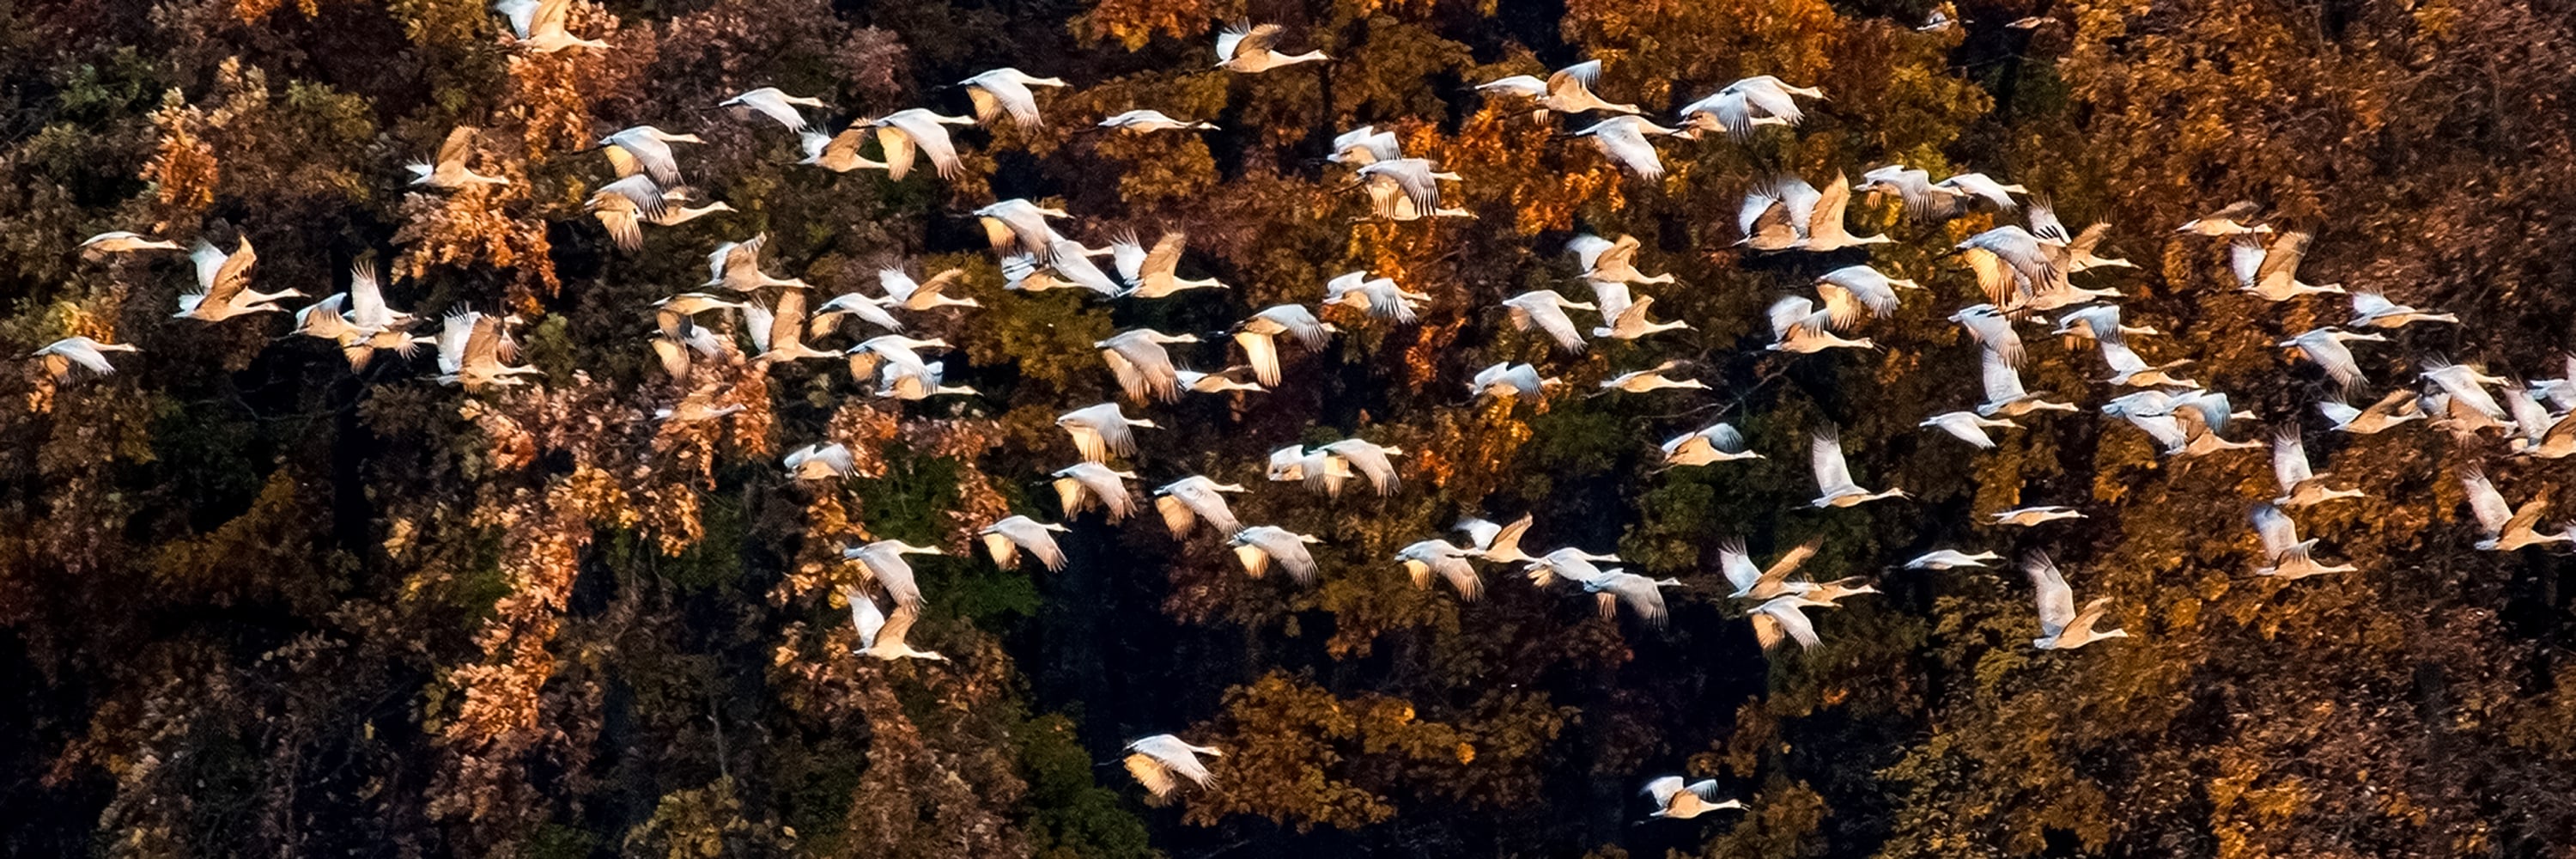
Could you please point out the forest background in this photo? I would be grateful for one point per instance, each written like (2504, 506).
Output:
(252, 603)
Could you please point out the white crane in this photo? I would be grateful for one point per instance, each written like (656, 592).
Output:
(821, 461)
(2327, 349)
(769, 101)
(1368, 460)
(1251, 49)
(1082, 485)
(2100, 321)
(1651, 379)
(2061, 627)
(1567, 90)
(223, 285)
(2234, 220)
(624, 206)
(1776, 213)
(1798, 327)
(1019, 225)
(904, 133)
(1425, 559)
(1153, 761)
(1005, 91)
(2282, 547)
(1497, 543)
(1623, 139)
(906, 382)
(1570, 564)
(698, 406)
(1187, 501)
(2465, 386)
(779, 330)
(1101, 430)
(1006, 538)
(2025, 517)
(2300, 486)
(539, 25)
(881, 636)
(2372, 309)
(2129, 370)
(736, 266)
(322, 319)
(1784, 619)
(1405, 189)
(1363, 146)
(1259, 337)
(1991, 328)
(1379, 297)
(2561, 390)
(1824, 229)
(2396, 408)
(1968, 427)
(1155, 273)
(2506, 528)
(1319, 469)
(2273, 272)
(838, 153)
(368, 311)
(1632, 322)
(1747, 104)
(2074, 250)
(1643, 596)
(2536, 432)
(893, 349)
(473, 351)
(882, 561)
(1219, 382)
(1834, 486)
(2029, 266)
(1678, 801)
(1509, 381)
(448, 170)
(1544, 310)
(1979, 186)
(1142, 365)
(2004, 393)
(1951, 559)
(865, 308)
(902, 291)
(1613, 261)
(1757, 583)
(1718, 442)
(1826, 593)
(1152, 120)
(647, 150)
(60, 356)
(1852, 290)
(1259, 546)
(122, 242)
(1921, 199)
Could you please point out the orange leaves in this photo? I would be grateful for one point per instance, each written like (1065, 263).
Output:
(468, 227)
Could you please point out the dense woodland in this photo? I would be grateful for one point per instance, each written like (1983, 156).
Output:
(254, 603)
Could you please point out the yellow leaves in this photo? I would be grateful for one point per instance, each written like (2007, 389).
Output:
(183, 169)
(253, 10)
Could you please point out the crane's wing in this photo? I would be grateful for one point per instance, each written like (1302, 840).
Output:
(2056, 601)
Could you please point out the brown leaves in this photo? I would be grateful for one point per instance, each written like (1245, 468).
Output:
(1134, 22)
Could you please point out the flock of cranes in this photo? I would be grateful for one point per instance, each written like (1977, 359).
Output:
(2024, 271)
